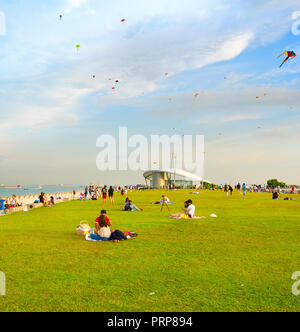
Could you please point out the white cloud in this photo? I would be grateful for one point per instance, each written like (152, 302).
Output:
(242, 117)
(76, 3)
(46, 81)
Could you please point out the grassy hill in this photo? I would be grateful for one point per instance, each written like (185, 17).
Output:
(241, 261)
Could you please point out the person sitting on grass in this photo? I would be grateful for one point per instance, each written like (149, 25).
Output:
(103, 231)
(275, 195)
(102, 225)
(189, 211)
(130, 207)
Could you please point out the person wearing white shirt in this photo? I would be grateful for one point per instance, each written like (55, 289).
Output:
(190, 210)
(164, 202)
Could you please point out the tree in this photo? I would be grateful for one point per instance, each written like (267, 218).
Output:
(273, 183)
(276, 183)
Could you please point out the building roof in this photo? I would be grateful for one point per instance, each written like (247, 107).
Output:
(178, 172)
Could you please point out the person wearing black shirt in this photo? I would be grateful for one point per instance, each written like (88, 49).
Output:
(111, 195)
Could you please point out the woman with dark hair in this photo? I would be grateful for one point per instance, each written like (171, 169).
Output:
(102, 229)
(102, 225)
(189, 211)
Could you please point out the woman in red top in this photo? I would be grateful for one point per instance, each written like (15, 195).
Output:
(107, 220)
(104, 195)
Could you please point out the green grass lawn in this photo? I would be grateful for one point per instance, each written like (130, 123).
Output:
(241, 261)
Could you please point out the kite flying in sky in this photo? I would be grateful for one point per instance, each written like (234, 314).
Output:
(289, 55)
(123, 20)
(196, 95)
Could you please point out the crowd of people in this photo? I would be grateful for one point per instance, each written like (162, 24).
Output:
(93, 192)
(97, 192)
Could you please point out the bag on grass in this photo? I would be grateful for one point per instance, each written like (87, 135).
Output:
(83, 229)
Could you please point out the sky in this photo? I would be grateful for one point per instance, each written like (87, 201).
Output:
(52, 110)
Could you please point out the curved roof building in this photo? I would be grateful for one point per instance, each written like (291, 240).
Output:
(161, 178)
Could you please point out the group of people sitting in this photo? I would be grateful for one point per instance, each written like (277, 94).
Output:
(11, 203)
(103, 230)
(47, 203)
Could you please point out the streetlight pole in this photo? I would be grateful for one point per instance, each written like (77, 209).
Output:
(174, 170)
(203, 170)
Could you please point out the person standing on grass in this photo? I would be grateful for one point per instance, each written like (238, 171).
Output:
(231, 189)
(226, 189)
(164, 202)
(244, 189)
(111, 195)
(104, 195)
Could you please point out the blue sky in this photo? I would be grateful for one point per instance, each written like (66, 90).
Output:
(52, 110)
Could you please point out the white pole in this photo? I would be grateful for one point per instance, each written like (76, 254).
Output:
(203, 170)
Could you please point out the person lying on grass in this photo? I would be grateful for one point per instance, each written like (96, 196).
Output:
(189, 211)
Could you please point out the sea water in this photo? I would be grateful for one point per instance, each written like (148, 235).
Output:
(35, 190)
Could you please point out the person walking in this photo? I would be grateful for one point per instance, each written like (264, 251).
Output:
(244, 189)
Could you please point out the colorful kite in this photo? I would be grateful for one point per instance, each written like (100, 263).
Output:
(196, 95)
(289, 55)
(123, 20)
(60, 17)
(78, 47)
